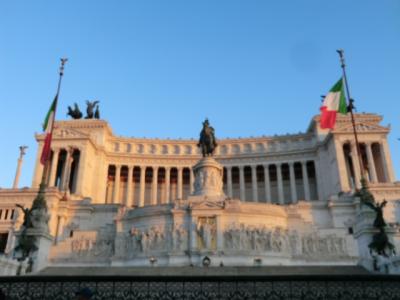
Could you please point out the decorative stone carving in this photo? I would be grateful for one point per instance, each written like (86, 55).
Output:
(262, 239)
(208, 178)
(93, 245)
(180, 238)
(206, 230)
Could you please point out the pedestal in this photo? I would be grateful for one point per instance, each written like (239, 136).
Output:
(364, 234)
(43, 242)
(208, 178)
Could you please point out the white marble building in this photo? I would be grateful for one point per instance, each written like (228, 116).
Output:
(283, 200)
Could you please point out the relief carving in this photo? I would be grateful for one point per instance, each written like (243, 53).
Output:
(262, 239)
(206, 230)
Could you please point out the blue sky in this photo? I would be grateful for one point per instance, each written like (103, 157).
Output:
(160, 67)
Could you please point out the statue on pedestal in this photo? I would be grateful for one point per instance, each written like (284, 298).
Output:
(380, 241)
(207, 141)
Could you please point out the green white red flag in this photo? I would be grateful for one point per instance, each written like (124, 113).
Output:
(48, 130)
(334, 102)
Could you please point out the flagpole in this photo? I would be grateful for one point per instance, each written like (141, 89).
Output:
(350, 109)
(43, 183)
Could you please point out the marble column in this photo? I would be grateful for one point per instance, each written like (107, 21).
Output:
(142, 185)
(371, 163)
(242, 184)
(305, 181)
(117, 184)
(356, 165)
(342, 165)
(267, 184)
(280, 183)
(38, 168)
(81, 171)
(53, 169)
(191, 180)
(180, 179)
(67, 169)
(386, 161)
(129, 198)
(229, 181)
(254, 183)
(154, 186)
(167, 184)
(293, 191)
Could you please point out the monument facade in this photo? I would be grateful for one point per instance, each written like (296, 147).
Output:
(280, 200)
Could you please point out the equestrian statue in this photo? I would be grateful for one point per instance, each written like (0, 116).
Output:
(207, 141)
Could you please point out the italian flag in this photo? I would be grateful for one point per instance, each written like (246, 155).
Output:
(334, 102)
(48, 130)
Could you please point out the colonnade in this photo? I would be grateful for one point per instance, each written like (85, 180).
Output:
(147, 185)
(373, 161)
(280, 183)
(65, 172)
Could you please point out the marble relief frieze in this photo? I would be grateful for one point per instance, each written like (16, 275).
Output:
(237, 239)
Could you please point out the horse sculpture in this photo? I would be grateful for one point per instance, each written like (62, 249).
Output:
(207, 141)
(90, 109)
(74, 113)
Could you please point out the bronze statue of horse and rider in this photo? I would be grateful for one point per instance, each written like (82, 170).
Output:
(207, 141)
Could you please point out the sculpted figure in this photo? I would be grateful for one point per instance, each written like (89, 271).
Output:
(205, 231)
(207, 141)
(294, 241)
(90, 109)
(179, 238)
(235, 237)
(378, 208)
(27, 217)
(145, 241)
(136, 240)
(97, 113)
(74, 113)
